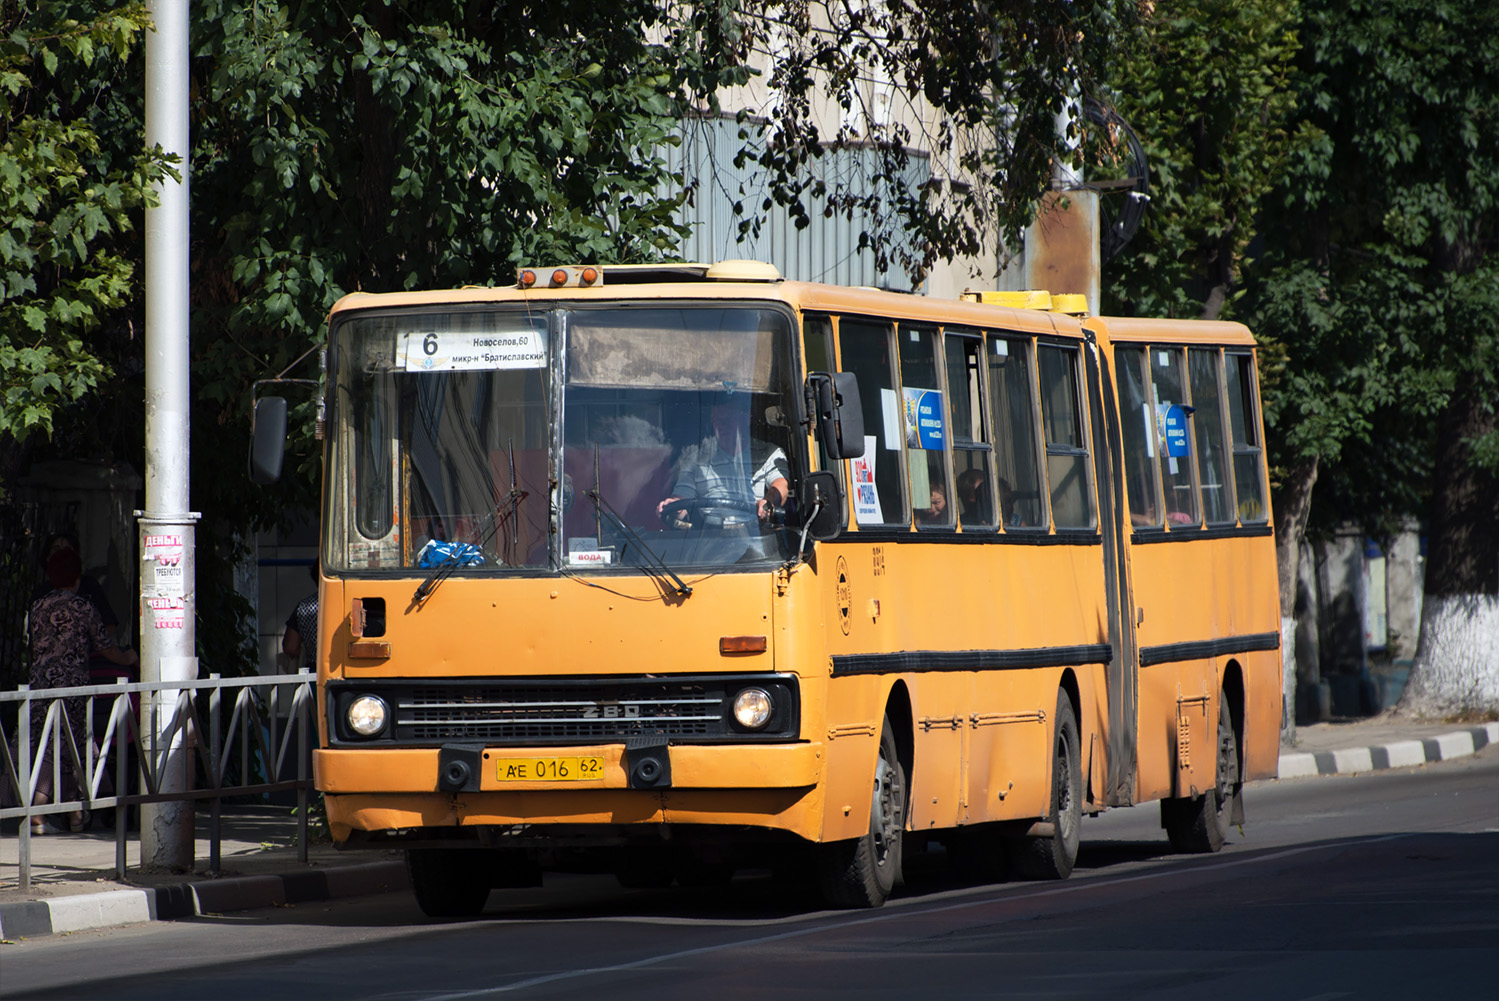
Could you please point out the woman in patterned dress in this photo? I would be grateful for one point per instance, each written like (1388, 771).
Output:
(65, 629)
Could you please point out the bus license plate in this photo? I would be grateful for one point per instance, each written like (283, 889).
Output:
(580, 769)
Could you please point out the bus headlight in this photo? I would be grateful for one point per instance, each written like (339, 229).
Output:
(366, 715)
(752, 708)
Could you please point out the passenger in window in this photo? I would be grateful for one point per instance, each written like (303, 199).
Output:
(726, 480)
(1007, 505)
(973, 497)
(936, 512)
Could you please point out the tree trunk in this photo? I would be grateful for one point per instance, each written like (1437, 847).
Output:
(1456, 670)
(1293, 502)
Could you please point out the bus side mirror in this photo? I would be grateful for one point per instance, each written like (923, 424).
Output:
(833, 401)
(820, 498)
(268, 440)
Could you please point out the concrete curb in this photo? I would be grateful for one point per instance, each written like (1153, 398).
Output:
(1400, 754)
(86, 911)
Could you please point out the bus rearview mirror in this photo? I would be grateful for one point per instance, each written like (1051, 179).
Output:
(268, 440)
(834, 401)
(820, 498)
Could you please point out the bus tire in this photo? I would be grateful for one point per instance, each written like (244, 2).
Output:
(861, 872)
(1198, 825)
(448, 882)
(1052, 856)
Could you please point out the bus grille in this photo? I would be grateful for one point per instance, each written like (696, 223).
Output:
(568, 711)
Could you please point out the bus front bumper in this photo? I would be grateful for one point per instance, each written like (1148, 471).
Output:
(758, 785)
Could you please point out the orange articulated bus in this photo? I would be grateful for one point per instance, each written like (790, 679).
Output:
(675, 569)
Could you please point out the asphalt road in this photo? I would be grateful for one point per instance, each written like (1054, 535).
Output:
(1376, 886)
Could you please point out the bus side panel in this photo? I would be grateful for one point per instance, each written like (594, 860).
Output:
(1188, 592)
(855, 709)
(1178, 720)
(1262, 713)
(1009, 775)
(939, 789)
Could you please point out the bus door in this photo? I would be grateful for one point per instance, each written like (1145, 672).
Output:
(1119, 741)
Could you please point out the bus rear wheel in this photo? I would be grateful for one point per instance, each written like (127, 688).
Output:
(863, 871)
(1199, 824)
(449, 882)
(1052, 856)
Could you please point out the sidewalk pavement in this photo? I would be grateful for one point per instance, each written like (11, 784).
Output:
(74, 886)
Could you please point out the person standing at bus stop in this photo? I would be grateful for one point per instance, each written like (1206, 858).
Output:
(64, 629)
(299, 642)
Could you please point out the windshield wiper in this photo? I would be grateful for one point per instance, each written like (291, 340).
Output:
(655, 565)
(478, 538)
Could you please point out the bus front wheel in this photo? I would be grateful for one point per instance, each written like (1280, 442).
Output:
(1199, 824)
(448, 882)
(863, 871)
(1052, 856)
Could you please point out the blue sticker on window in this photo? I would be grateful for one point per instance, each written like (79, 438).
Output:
(925, 427)
(1173, 427)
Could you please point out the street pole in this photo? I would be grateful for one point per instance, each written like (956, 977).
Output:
(167, 543)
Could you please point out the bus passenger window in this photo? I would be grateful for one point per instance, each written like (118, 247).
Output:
(972, 469)
(1173, 439)
(1017, 465)
(1243, 420)
(1137, 422)
(1066, 447)
(1207, 421)
(925, 416)
(876, 476)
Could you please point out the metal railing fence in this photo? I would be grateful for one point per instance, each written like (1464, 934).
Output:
(268, 718)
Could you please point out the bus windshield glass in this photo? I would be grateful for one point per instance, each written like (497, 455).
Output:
(577, 439)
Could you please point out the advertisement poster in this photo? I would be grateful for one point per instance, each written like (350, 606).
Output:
(924, 424)
(168, 613)
(1171, 422)
(866, 498)
(164, 560)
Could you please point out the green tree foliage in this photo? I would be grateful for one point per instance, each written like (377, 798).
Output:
(1379, 266)
(1204, 85)
(68, 199)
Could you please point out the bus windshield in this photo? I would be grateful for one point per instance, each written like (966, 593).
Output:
(596, 439)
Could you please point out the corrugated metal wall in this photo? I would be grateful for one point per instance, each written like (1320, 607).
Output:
(825, 251)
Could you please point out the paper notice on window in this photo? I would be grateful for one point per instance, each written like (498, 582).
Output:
(466, 350)
(890, 409)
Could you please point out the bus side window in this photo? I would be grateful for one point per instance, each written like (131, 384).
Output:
(1207, 421)
(866, 351)
(1137, 422)
(1244, 423)
(973, 473)
(1017, 464)
(1067, 464)
(1170, 395)
(925, 414)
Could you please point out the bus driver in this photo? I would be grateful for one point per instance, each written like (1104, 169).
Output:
(723, 470)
